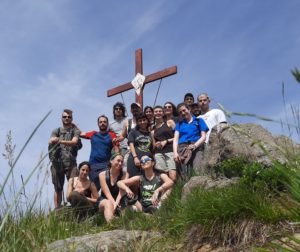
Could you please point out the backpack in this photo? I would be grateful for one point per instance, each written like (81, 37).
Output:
(55, 150)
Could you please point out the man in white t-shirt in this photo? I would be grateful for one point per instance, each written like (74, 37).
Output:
(212, 117)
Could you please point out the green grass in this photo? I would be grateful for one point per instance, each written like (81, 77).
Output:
(221, 215)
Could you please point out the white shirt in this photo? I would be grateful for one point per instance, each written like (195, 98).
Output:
(212, 118)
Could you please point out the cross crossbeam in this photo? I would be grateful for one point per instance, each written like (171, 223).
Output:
(149, 78)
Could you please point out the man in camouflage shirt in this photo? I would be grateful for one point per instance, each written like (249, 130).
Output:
(63, 147)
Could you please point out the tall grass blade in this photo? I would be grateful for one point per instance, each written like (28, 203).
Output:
(296, 74)
(20, 192)
(23, 148)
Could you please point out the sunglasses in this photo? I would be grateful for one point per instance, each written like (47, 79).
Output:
(168, 107)
(67, 117)
(145, 160)
(118, 109)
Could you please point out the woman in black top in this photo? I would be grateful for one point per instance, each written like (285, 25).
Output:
(110, 195)
(163, 134)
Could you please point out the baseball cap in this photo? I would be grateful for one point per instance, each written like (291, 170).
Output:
(135, 104)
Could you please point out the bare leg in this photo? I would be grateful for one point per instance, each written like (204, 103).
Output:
(173, 175)
(108, 208)
(57, 199)
(138, 206)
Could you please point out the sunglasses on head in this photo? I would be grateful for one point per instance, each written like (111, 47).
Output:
(145, 160)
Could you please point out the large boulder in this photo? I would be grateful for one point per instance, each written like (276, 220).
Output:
(116, 240)
(250, 141)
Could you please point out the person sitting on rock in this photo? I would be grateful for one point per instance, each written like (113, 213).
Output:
(153, 188)
(82, 193)
(212, 117)
(110, 195)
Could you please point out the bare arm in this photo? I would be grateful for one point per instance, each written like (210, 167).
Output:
(171, 124)
(175, 146)
(135, 157)
(72, 142)
(167, 184)
(124, 133)
(200, 141)
(125, 176)
(95, 194)
(124, 185)
(70, 187)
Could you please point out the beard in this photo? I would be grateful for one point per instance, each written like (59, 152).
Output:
(67, 124)
(103, 127)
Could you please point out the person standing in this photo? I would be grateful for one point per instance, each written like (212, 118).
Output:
(140, 143)
(195, 109)
(212, 117)
(170, 111)
(163, 134)
(148, 111)
(189, 100)
(135, 109)
(117, 125)
(189, 138)
(102, 145)
(64, 144)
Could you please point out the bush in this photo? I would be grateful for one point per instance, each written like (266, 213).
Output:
(231, 167)
(254, 174)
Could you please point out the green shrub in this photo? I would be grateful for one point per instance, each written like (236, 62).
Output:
(259, 176)
(231, 167)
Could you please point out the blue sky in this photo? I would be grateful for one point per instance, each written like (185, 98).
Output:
(66, 54)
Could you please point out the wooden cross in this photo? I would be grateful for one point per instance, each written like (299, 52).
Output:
(149, 78)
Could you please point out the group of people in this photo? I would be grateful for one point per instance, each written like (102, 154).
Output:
(133, 162)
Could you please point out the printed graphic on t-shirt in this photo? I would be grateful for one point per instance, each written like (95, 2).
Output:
(143, 143)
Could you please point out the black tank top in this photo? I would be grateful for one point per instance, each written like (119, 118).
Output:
(164, 133)
(114, 189)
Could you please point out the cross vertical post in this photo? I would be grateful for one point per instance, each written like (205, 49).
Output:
(139, 69)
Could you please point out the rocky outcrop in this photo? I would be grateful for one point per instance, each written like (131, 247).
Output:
(207, 183)
(116, 240)
(251, 141)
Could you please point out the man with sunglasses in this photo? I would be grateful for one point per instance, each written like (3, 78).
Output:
(63, 148)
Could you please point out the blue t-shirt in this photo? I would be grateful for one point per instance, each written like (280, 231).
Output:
(101, 146)
(190, 132)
